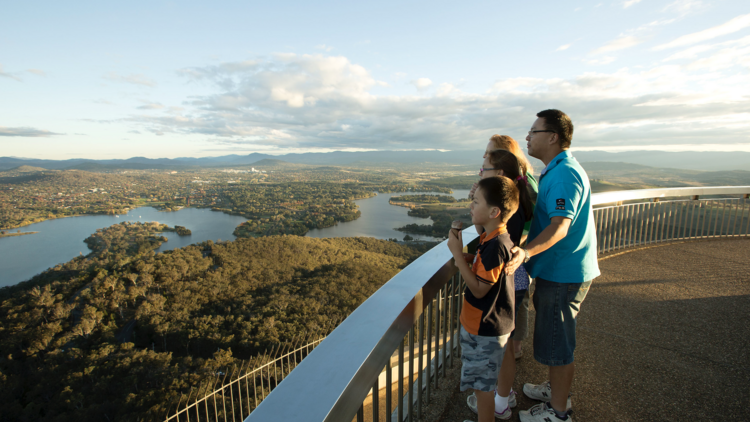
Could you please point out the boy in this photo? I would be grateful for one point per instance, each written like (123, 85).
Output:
(487, 312)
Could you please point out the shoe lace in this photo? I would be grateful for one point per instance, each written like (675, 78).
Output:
(539, 408)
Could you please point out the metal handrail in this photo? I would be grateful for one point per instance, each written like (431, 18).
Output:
(629, 195)
(349, 361)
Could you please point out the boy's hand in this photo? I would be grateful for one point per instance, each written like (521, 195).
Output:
(455, 242)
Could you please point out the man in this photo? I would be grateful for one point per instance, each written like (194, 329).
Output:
(561, 255)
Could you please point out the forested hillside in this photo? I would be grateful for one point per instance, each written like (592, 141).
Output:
(119, 334)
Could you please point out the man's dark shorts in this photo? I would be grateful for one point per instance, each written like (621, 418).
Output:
(557, 305)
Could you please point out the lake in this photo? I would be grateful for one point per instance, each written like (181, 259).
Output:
(60, 240)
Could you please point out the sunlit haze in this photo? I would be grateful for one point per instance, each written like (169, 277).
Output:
(109, 80)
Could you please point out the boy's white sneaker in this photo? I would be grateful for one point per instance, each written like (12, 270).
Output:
(541, 392)
(542, 413)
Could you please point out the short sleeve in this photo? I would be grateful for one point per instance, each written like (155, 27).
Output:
(488, 267)
(563, 199)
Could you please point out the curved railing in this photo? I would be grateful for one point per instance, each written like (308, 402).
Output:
(333, 381)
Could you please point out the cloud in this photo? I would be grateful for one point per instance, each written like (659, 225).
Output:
(9, 75)
(563, 47)
(731, 26)
(314, 102)
(26, 132)
(684, 7)
(324, 47)
(599, 62)
(36, 72)
(628, 3)
(147, 105)
(422, 83)
(618, 44)
(136, 79)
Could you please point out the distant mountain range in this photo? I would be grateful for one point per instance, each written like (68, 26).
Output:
(705, 161)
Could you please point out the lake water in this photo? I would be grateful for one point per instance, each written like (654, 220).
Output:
(60, 240)
(379, 219)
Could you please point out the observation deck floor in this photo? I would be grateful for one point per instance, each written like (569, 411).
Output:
(663, 335)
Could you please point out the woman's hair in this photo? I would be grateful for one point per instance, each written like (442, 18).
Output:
(506, 161)
(507, 143)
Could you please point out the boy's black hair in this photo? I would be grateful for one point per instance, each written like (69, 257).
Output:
(500, 192)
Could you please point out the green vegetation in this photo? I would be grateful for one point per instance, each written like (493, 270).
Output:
(121, 333)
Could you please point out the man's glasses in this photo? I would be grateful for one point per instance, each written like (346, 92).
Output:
(482, 170)
(537, 131)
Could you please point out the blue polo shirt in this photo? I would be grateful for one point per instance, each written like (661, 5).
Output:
(564, 191)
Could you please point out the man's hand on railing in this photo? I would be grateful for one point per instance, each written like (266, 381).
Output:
(515, 261)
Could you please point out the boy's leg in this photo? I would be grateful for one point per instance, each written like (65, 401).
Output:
(507, 373)
(485, 405)
(481, 358)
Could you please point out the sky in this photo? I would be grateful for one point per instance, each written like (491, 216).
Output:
(164, 79)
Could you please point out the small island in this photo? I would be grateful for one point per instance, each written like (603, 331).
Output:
(180, 230)
(19, 233)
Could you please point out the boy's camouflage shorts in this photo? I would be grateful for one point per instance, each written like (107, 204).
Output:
(481, 358)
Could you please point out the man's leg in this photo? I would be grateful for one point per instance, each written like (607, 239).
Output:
(561, 379)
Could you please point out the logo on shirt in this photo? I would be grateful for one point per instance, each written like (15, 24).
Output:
(560, 204)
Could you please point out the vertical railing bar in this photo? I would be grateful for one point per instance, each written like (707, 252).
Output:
(634, 226)
(437, 338)
(428, 339)
(607, 229)
(651, 222)
(255, 390)
(682, 216)
(361, 414)
(723, 217)
(239, 391)
(675, 205)
(461, 288)
(444, 327)
(693, 232)
(645, 224)
(388, 389)
(734, 226)
(420, 365)
(600, 223)
(618, 239)
(410, 409)
(642, 212)
(625, 225)
(376, 400)
(247, 392)
(658, 225)
(603, 244)
(663, 229)
(400, 381)
(223, 398)
(703, 205)
(451, 310)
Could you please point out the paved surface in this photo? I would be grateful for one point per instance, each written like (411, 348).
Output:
(664, 335)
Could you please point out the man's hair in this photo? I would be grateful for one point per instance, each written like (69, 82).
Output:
(559, 122)
(500, 192)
